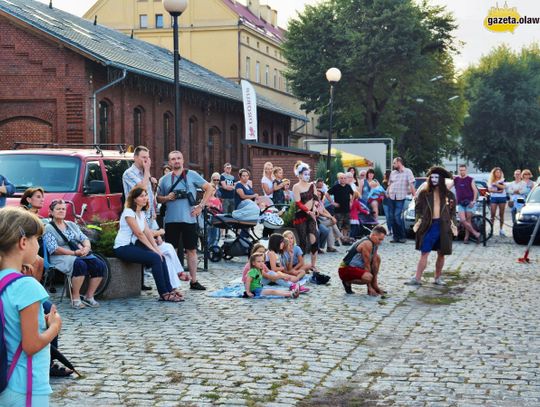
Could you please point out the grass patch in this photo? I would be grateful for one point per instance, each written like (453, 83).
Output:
(304, 368)
(382, 302)
(211, 396)
(438, 300)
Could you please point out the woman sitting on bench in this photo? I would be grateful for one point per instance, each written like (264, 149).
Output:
(69, 251)
(135, 243)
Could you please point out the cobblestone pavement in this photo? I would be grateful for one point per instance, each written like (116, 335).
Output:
(476, 342)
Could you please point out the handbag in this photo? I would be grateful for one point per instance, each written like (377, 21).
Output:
(73, 244)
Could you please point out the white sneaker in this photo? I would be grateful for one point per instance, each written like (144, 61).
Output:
(439, 281)
(501, 233)
(413, 281)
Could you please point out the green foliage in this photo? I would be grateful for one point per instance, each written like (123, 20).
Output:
(387, 52)
(503, 127)
(105, 242)
(336, 165)
(288, 217)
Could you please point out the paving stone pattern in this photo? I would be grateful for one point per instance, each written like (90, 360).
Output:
(474, 343)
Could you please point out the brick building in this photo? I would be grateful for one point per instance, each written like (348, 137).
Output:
(53, 64)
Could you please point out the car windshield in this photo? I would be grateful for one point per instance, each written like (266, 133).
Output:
(54, 173)
(534, 197)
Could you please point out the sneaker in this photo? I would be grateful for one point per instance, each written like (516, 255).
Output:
(77, 304)
(332, 250)
(303, 289)
(439, 281)
(413, 281)
(196, 286)
(293, 286)
(501, 233)
(347, 286)
(336, 243)
(90, 302)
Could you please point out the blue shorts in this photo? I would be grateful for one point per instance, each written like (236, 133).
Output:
(498, 200)
(432, 237)
(465, 208)
(257, 292)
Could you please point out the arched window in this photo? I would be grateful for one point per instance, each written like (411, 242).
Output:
(193, 140)
(168, 141)
(279, 139)
(235, 145)
(266, 137)
(105, 122)
(138, 125)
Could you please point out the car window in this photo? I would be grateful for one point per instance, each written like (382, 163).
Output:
(534, 196)
(93, 172)
(54, 173)
(115, 169)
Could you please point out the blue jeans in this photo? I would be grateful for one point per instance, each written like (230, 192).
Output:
(394, 218)
(143, 255)
(323, 235)
(213, 236)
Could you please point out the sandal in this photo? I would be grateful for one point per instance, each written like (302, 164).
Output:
(170, 297)
(179, 294)
(59, 371)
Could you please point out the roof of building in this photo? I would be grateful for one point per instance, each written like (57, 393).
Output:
(257, 23)
(117, 50)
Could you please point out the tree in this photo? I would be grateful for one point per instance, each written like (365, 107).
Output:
(387, 51)
(503, 126)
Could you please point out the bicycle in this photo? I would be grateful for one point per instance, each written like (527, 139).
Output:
(477, 222)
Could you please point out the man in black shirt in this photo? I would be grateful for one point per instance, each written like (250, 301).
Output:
(342, 203)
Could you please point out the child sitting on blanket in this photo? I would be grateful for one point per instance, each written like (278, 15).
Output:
(253, 284)
(270, 276)
(276, 247)
(293, 257)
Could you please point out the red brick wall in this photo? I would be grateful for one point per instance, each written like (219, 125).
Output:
(46, 95)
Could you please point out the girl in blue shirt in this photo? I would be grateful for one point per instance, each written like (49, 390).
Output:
(25, 322)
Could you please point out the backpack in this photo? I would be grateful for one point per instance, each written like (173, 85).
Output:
(5, 371)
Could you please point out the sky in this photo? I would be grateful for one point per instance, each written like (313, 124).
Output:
(469, 14)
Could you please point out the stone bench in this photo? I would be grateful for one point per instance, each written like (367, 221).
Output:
(125, 280)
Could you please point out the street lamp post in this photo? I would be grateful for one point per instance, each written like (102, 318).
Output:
(175, 8)
(333, 75)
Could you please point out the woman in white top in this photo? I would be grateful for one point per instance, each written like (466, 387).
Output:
(497, 189)
(135, 243)
(267, 181)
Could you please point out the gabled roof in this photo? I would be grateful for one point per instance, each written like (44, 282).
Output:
(256, 23)
(115, 49)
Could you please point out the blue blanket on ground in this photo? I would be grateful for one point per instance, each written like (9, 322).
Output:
(237, 291)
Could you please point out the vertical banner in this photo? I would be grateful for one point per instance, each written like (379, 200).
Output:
(250, 110)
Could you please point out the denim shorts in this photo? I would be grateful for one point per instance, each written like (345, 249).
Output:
(257, 292)
(465, 208)
(498, 200)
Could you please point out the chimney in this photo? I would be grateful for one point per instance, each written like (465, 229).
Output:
(265, 12)
(255, 7)
(273, 17)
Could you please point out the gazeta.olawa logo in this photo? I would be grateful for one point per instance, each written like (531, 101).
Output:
(506, 19)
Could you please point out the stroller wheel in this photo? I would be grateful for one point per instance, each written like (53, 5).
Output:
(215, 254)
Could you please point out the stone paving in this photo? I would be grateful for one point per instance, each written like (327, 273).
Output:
(476, 342)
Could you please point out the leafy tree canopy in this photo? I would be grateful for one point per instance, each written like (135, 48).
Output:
(503, 126)
(387, 52)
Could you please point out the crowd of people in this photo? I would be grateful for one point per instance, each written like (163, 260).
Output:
(158, 229)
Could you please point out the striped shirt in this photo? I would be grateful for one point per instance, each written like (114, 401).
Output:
(133, 176)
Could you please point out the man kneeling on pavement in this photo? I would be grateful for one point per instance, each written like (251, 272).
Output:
(361, 264)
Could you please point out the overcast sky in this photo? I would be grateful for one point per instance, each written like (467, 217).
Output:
(469, 15)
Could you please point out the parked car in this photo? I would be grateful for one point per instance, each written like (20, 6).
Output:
(527, 217)
(83, 176)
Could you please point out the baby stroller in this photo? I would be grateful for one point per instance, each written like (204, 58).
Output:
(367, 221)
(242, 224)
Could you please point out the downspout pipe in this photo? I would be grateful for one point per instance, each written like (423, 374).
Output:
(94, 100)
